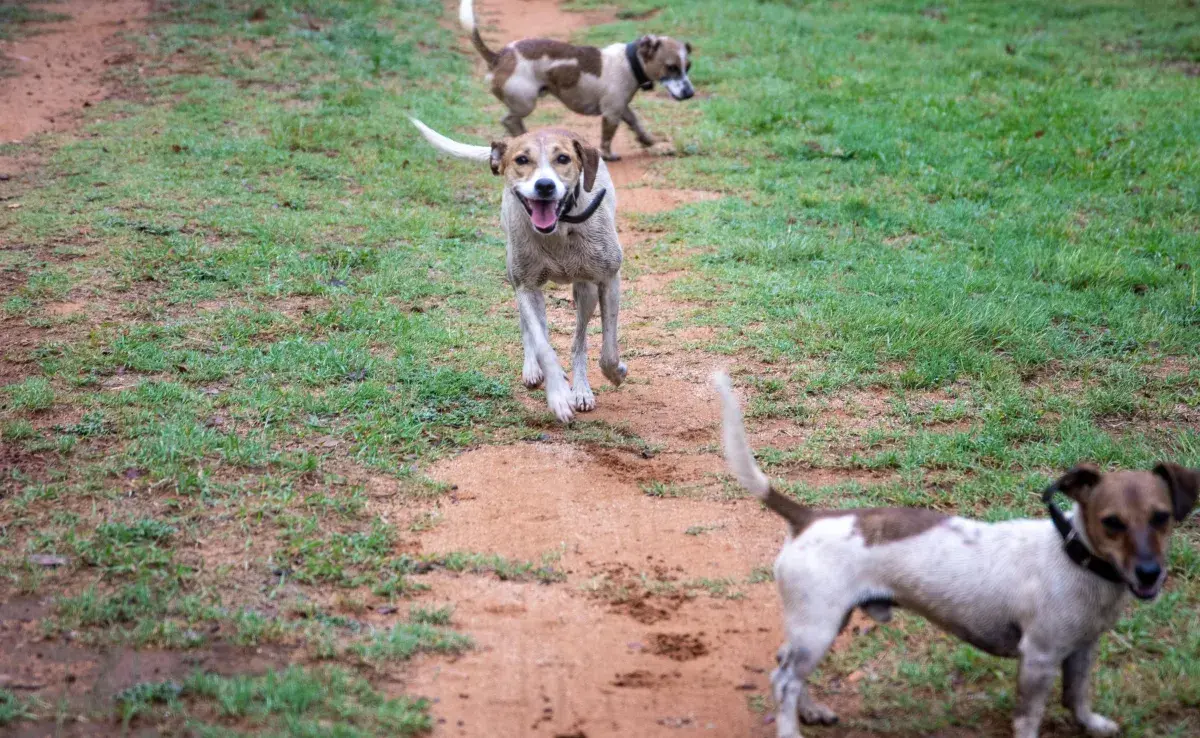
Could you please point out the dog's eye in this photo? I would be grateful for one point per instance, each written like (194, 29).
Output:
(563, 159)
(672, 69)
(521, 160)
(1113, 525)
(1160, 519)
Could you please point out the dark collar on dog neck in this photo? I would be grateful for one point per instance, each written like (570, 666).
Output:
(639, 72)
(588, 212)
(1075, 548)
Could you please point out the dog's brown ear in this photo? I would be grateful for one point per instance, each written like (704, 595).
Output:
(1184, 484)
(591, 162)
(648, 45)
(687, 46)
(1079, 481)
(497, 160)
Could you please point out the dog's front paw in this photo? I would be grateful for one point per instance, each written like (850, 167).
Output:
(817, 714)
(560, 405)
(1099, 726)
(582, 398)
(610, 156)
(615, 373)
(531, 374)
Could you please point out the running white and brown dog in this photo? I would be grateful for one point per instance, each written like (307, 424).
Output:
(588, 80)
(559, 214)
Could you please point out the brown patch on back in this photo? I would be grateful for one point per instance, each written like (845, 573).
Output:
(880, 525)
(587, 58)
(877, 525)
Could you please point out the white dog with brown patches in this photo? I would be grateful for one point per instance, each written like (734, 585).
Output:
(559, 214)
(1039, 590)
(587, 79)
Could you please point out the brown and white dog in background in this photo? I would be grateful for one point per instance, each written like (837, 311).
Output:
(588, 80)
(1040, 590)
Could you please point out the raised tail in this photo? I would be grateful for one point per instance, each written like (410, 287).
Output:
(466, 16)
(740, 459)
(452, 147)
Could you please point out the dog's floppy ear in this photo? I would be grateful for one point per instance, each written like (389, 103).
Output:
(687, 46)
(1184, 485)
(648, 45)
(1079, 481)
(591, 162)
(497, 160)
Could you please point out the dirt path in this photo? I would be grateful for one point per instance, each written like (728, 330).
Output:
(663, 622)
(51, 74)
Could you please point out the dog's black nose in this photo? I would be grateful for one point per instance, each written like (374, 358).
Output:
(544, 187)
(687, 93)
(1147, 573)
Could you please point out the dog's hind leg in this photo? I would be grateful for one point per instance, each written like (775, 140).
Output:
(809, 636)
(586, 296)
(514, 124)
(520, 97)
(1077, 696)
(610, 307)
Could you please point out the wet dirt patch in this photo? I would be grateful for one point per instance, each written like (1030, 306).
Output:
(678, 646)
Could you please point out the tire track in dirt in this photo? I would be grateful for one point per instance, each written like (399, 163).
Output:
(659, 625)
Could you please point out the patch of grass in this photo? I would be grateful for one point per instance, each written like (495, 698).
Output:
(431, 615)
(30, 395)
(405, 640)
(13, 708)
(299, 702)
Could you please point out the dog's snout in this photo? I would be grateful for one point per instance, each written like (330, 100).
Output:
(1147, 572)
(544, 187)
(687, 93)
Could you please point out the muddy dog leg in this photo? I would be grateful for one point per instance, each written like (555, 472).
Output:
(808, 638)
(532, 307)
(610, 307)
(586, 296)
(631, 120)
(1077, 694)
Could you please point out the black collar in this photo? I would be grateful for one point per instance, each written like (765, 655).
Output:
(1075, 548)
(588, 212)
(639, 72)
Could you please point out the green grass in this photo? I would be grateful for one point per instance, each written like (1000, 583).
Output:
(956, 248)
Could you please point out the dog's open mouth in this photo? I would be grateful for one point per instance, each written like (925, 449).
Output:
(544, 214)
(1144, 592)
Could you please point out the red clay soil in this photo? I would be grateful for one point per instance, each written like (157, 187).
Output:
(47, 77)
(633, 643)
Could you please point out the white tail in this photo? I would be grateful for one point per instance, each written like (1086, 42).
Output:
(451, 147)
(737, 450)
(466, 14)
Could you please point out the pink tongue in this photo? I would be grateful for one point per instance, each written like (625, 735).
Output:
(543, 213)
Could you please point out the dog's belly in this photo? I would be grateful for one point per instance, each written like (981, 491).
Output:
(997, 636)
